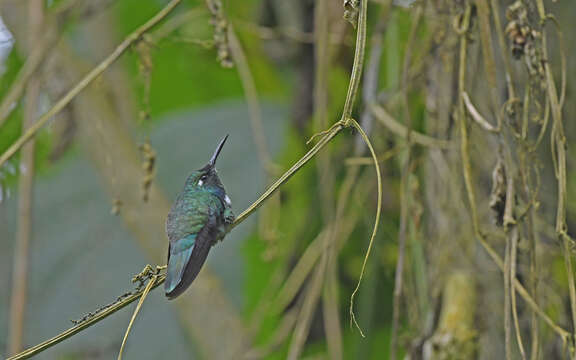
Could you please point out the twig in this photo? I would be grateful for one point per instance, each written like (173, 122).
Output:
(271, 33)
(305, 317)
(405, 192)
(91, 76)
(282, 332)
(513, 257)
(331, 307)
(327, 136)
(495, 4)
(346, 117)
(563, 333)
(399, 271)
(366, 160)
(399, 129)
(466, 167)
(318, 246)
(19, 296)
(488, 54)
(238, 56)
(507, 302)
(476, 115)
(174, 23)
(147, 289)
(30, 67)
(509, 223)
(299, 273)
(326, 176)
(370, 84)
(358, 61)
(376, 222)
(251, 94)
(531, 237)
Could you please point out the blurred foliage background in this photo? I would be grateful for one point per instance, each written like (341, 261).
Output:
(467, 104)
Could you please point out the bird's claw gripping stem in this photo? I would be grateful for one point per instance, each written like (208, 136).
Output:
(147, 273)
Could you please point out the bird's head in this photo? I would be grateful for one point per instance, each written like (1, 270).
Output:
(207, 177)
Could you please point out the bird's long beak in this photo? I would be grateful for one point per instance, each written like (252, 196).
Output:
(212, 162)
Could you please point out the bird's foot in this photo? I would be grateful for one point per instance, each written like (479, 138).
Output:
(146, 274)
(160, 268)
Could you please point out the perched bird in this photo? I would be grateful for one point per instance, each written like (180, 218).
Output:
(198, 219)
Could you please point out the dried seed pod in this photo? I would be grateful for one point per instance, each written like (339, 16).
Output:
(218, 20)
(145, 65)
(498, 193)
(523, 38)
(116, 206)
(148, 166)
(517, 35)
(351, 11)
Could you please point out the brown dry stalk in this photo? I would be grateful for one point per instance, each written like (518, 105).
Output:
(19, 294)
(305, 317)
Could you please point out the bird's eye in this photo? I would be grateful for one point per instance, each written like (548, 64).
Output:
(202, 179)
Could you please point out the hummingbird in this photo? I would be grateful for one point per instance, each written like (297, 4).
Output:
(200, 217)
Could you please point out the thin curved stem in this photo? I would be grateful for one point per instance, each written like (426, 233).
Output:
(288, 174)
(358, 61)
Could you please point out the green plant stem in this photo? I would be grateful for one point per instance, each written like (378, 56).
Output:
(503, 48)
(347, 120)
(358, 61)
(559, 145)
(311, 298)
(143, 296)
(404, 192)
(399, 129)
(251, 95)
(333, 131)
(376, 222)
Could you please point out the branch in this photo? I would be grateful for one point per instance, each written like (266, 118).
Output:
(326, 137)
(91, 76)
(399, 129)
(476, 114)
(370, 85)
(405, 190)
(251, 94)
(19, 295)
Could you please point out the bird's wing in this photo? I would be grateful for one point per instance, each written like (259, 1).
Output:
(187, 216)
(187, 255)
(179, 254)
